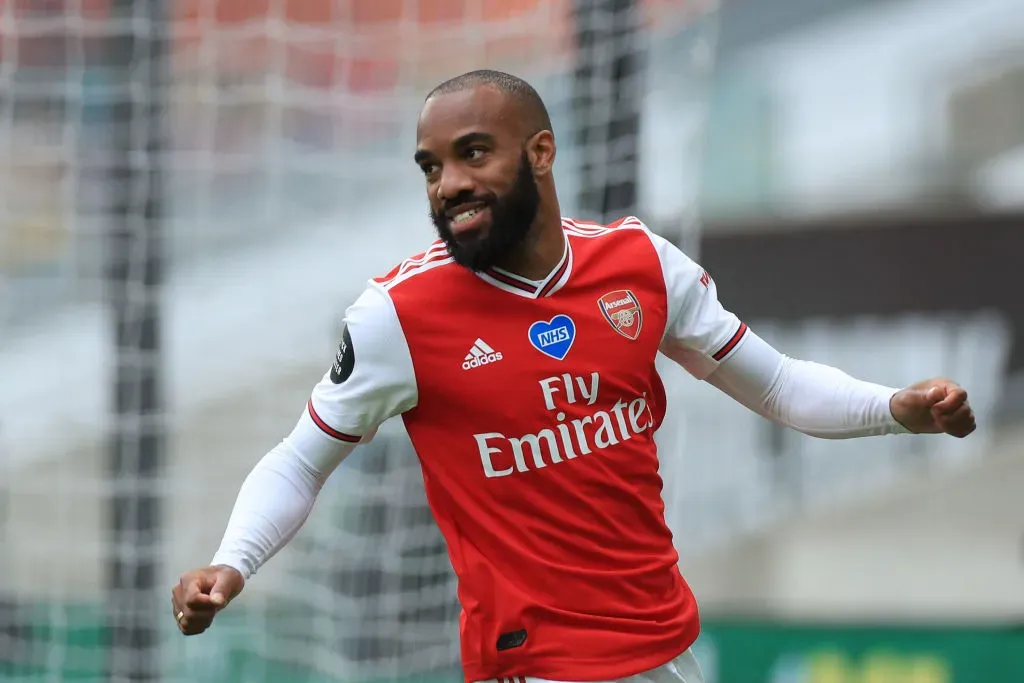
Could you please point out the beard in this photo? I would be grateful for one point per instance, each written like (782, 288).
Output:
(512, 216)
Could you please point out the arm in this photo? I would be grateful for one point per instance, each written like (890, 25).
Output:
(275, 499)
(815, 399)
(712, 344)
(370, 381)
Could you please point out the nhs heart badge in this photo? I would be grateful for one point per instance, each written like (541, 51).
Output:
(554, 337)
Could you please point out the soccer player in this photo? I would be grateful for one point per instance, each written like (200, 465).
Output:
(519, 350)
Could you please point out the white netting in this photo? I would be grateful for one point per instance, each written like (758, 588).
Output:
(289, 182)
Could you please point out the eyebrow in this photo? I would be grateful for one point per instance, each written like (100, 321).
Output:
(472, 138)
(460, 142)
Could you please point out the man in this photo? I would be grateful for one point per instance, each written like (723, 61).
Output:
(520, 352)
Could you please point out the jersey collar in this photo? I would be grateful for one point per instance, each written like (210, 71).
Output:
(532, 289)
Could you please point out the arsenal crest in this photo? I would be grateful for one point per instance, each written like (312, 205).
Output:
(622, 311)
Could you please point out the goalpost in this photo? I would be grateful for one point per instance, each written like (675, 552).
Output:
(203, 268)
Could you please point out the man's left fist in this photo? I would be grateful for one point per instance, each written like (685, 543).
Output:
(934, 406)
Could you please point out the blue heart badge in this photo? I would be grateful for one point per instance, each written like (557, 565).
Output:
(555, 337)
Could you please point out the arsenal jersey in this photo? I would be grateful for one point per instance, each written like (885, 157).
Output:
(532, 407)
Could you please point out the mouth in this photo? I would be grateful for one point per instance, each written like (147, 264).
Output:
(464, 220)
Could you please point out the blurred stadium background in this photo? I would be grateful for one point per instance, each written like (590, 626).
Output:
(192, 191)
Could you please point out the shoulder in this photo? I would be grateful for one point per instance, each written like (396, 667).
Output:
(627, 236)
(628, 232)
(626, 227)
(374, 315)
(630, 235)
(415, 269)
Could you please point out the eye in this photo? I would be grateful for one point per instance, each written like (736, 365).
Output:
(476, 153)
(429, 169)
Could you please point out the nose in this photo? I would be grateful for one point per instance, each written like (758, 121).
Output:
(454, 182)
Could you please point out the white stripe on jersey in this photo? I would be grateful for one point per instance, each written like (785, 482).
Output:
(583, 229)
(435, 249)
(573, 224)
(438, 259)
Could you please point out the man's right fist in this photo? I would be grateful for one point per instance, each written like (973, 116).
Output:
(201, 593)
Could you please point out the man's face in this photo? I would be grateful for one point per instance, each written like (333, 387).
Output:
(480, 185)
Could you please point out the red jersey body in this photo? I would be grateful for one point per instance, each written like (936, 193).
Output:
(532, 407)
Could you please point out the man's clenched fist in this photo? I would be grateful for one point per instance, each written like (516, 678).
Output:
(201, 593)
(934, 406)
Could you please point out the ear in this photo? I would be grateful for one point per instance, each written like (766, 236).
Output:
(540, 150)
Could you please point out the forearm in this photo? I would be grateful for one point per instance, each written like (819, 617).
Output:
(812, 398)
(827, 403)
(272, 505)
(276, 498)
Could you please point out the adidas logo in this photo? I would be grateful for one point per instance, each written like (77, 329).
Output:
(480, 354)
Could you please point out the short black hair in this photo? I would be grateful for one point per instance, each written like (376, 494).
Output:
(535, 113)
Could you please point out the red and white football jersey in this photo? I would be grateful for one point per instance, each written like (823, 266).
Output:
(532, 407)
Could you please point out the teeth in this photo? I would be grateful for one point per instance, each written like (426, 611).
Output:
(465, 216)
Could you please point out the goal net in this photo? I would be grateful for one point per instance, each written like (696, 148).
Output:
(287, 182)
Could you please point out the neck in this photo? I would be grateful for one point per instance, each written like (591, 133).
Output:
(543, 248)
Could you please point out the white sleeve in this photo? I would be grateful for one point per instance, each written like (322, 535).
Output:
(714, 345)
(699, 332)
(809, 397)
(372, 377)
(370, 380)
(272, 505)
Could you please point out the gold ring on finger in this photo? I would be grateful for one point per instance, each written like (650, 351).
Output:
(180, 616)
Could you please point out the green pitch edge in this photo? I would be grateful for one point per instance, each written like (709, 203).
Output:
(68, 644)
